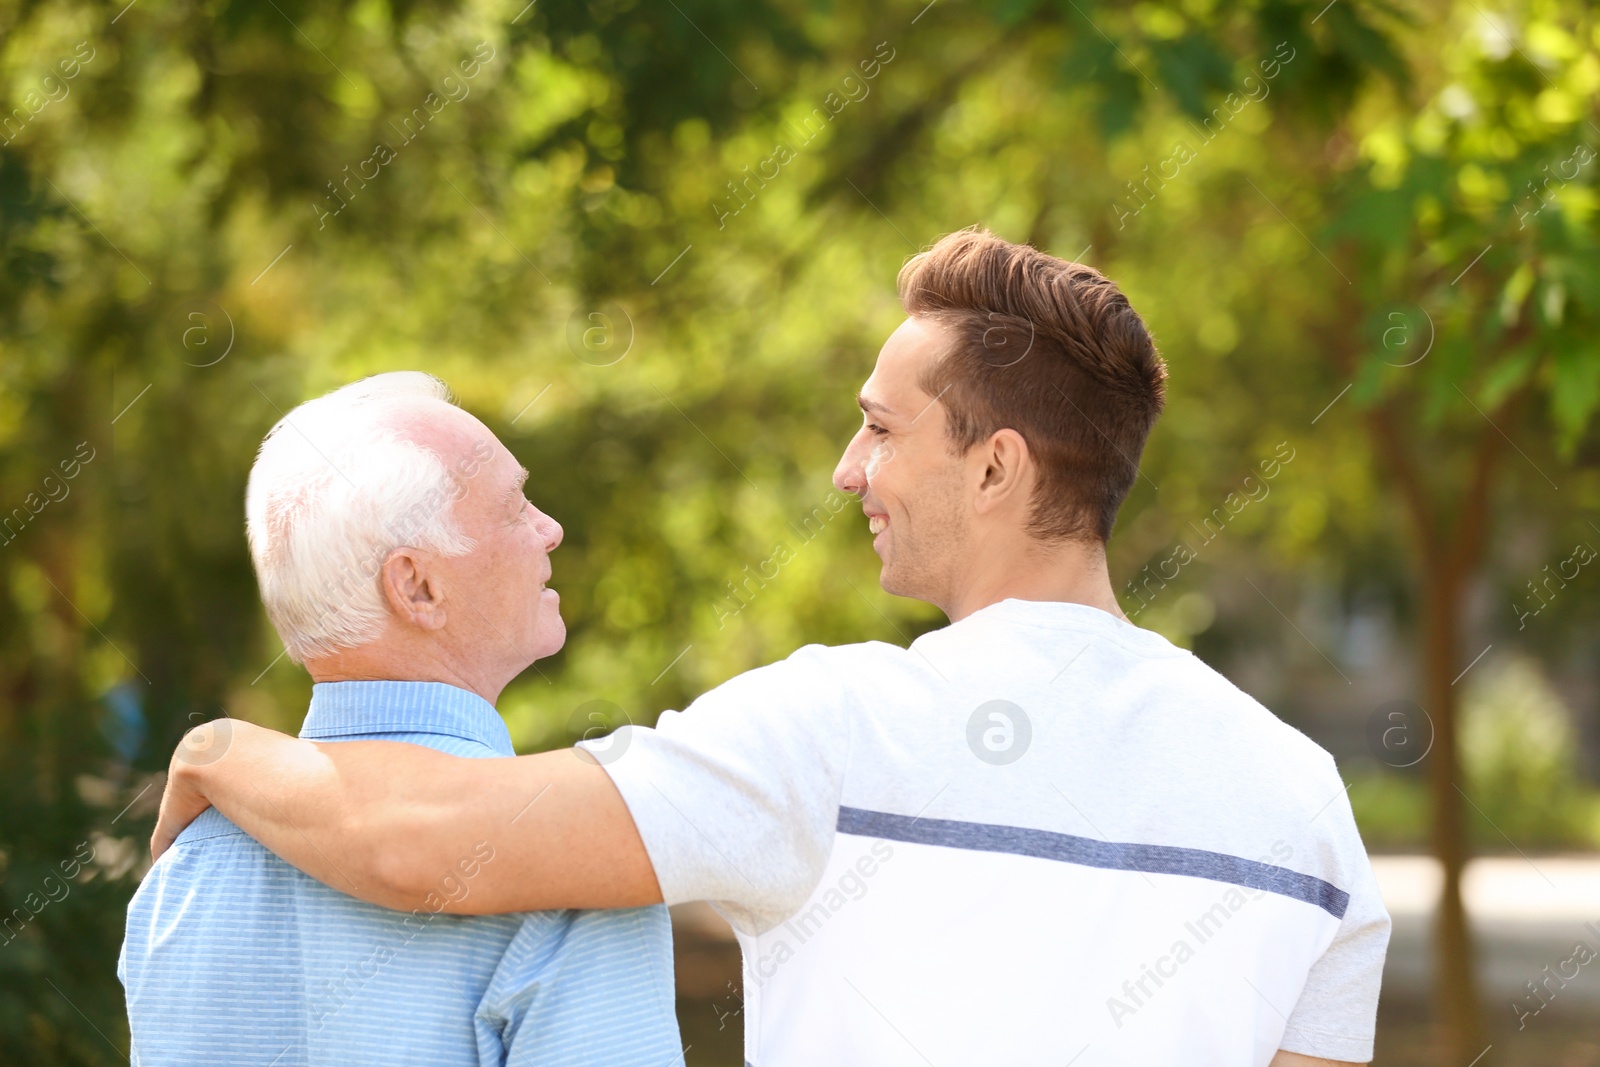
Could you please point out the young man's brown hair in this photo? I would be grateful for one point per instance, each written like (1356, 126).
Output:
(1047, 348)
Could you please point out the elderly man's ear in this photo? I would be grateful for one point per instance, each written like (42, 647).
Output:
(414, 589)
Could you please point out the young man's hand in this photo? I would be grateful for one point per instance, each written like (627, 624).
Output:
(182, 802)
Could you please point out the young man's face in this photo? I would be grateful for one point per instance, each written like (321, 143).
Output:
(902, 465)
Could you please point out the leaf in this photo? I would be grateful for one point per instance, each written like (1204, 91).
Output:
(1093, 60)
(1516, 291)
(1574, 389)
(1189, 67)
(1011, 13)
(1375, 216)
(1121, 97)
(1370, 48)
(1506, 376)
(1451, 366)
(1582, 277)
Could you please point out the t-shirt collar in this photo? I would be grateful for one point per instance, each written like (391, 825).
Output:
(1066, 615)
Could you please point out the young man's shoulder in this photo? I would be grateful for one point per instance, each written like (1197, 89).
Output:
(1206, 710)
(1238, 715)
(817, 670)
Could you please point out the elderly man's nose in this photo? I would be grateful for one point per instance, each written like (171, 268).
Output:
(553, 533)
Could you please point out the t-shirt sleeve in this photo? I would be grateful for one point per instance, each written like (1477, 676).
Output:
(737, 797)
(1337, 1013)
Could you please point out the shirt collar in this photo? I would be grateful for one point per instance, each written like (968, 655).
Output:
(348, 709)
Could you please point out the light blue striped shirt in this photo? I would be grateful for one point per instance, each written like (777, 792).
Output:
(234, 957)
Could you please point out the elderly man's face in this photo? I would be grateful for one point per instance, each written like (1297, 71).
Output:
(498, 606)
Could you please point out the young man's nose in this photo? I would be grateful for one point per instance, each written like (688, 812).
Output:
(850, 475)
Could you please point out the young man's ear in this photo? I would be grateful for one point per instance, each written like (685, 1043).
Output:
(412, 591)
(1004, 469)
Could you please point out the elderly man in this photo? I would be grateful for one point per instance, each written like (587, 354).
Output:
(400, 562)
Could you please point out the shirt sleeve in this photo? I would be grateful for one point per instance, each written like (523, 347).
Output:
(1337, 1013)
(737, 797)
(576, 988)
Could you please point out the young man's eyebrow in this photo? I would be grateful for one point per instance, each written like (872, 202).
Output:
(872, 407)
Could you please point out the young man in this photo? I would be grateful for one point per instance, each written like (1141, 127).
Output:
(1040, 835)
(400, 563)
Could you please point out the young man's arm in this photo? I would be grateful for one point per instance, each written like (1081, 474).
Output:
(398, 824)
(1336, 1014)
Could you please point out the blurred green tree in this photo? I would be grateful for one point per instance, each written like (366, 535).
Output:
(1466, 326)
(581, 218)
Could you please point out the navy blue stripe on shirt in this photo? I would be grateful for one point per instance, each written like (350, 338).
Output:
(1087, 852)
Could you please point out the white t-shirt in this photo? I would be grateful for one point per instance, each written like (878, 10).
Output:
(1040, 835)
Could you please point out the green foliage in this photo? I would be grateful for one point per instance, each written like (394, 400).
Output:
(201, 232)
(1518, 750)
(1522, 783)
(1391, 810)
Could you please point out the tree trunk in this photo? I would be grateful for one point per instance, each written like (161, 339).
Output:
(1449, 548)
(1455, 990)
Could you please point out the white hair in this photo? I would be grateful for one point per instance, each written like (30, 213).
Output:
(334, 490)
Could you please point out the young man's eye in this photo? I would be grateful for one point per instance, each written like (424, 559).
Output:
(877, 431)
